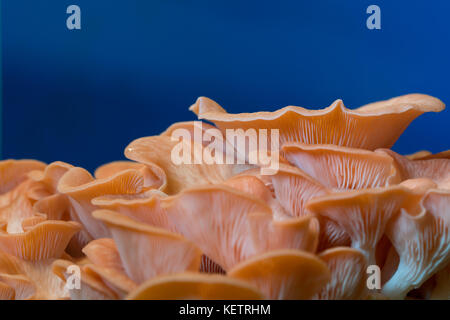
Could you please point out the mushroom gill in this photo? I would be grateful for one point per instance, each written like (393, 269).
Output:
(364, 214)
(155, 251)
(436, 169)
(175, 223)
(144, 207)
(81, 188)
(341, 167)
(221, 216)
(154, 176)
(348, 274)
(422, 241)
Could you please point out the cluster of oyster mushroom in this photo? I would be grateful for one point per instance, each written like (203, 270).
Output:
(339, 206)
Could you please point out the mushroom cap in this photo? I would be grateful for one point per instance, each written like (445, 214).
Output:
(116, 280)
(13, 172)
(53, 207)
(154, 176)
(81, 188)
(103, 252)
(144, 207)
(301, 233)
(418, 155)
(358, 128)
(195, 286)
(49, 177)
(284, 274)
(155, 251)
(44, 240)
(436, 169)
(440, 155)
(158, 150)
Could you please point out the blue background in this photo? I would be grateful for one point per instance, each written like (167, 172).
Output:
(136, 66)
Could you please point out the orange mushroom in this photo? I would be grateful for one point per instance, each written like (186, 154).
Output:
(418, 155)
(195, 286)
(105, 263)
(221, 220)
(268, 234)
(293, 188)
(91, 286)
(155, 250)
(31, 279)
(154, 176)
(437, 169)
(81, 188)
(284, 274)
(144, 207)
(6, 292)
(14, 172)
(364, 214)
(45, 240)
(348, 274)
(422, 241)
(157, 150)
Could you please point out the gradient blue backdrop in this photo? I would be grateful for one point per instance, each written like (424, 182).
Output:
(136, 66)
